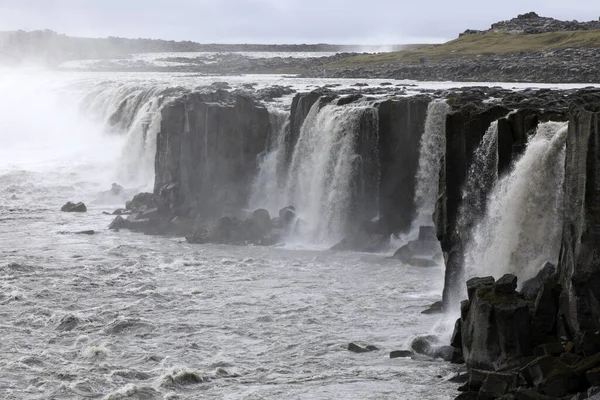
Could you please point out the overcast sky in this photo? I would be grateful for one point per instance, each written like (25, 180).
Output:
(279, 21)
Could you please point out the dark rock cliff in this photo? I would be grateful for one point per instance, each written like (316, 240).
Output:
(401, 124)
(580, 255)
(206, 153)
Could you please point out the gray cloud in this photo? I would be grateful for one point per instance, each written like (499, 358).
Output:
(278, 21)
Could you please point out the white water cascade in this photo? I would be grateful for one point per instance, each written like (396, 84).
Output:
(433, 146)
(325, 178)
(481, 178)
(323, 167)
(134, 111)
(270, 181)
(521, 227)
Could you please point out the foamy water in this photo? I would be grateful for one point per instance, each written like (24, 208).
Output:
(120, 315)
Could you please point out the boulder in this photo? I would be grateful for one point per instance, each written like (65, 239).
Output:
(506, 285)
(141, 199)
(74, 207)
(475, 283)
(497, 385)
(531, 287)
(401, 354)
(262, 219)
(366, 237)
(551, 376)
(287, 215)
(496, 326)
(353, 347)
(435, 308)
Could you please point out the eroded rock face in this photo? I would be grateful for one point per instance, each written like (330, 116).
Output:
(495, 325)
(207, 148)
(401, 124)
(580, 254)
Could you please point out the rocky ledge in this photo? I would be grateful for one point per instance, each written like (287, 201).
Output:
(517, 344)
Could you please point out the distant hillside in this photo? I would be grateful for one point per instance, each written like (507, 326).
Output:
(528, 48)
(51, 48)
(488, 43)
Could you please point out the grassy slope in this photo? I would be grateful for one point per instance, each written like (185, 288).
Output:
(470, 46)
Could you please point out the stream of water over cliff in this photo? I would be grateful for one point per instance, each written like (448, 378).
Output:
(323, 180)
(433, 146)
(520, 229)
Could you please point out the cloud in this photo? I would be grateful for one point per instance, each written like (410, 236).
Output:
(277, 21)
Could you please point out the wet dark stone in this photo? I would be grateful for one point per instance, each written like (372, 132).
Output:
(358, 349)
(401, 354)
(74, 207)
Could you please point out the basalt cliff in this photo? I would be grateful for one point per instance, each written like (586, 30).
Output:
(498, 186)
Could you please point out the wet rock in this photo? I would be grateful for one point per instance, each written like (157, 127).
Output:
(553, 349)
(587, 364)
(424, 344)
(118, 223)
(287, 215)
(74, 207)
(506, 284)
(141, 199)
(531, 287)
(401, 354)
(496, 385)
(88, 232)
(358, 349)
(496, 326)
(475, 283)
(435, 308)
(530, 394)
(588, 343)
(593, 376)
(456, 340)
(262, 219)
(550, 376)
(545, 313)
(366, 237)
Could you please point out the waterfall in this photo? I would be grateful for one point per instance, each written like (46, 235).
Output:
(134, 111)
(520, 230)
(433, 146)
(322, 181)
(333, 175)
(269, 184)
(481, 178)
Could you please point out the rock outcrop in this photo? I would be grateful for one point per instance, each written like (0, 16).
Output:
(580, 255)
(207, 153)
(456, 215)
(401, 124)
(515, 348)
(74, 207)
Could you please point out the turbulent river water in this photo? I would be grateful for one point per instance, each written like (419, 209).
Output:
(120, 315)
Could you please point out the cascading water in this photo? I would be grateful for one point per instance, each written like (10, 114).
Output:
(521, 227)
(481, 178)
(323, 168)
(334, 157)
(433, 143)
(269, 184)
